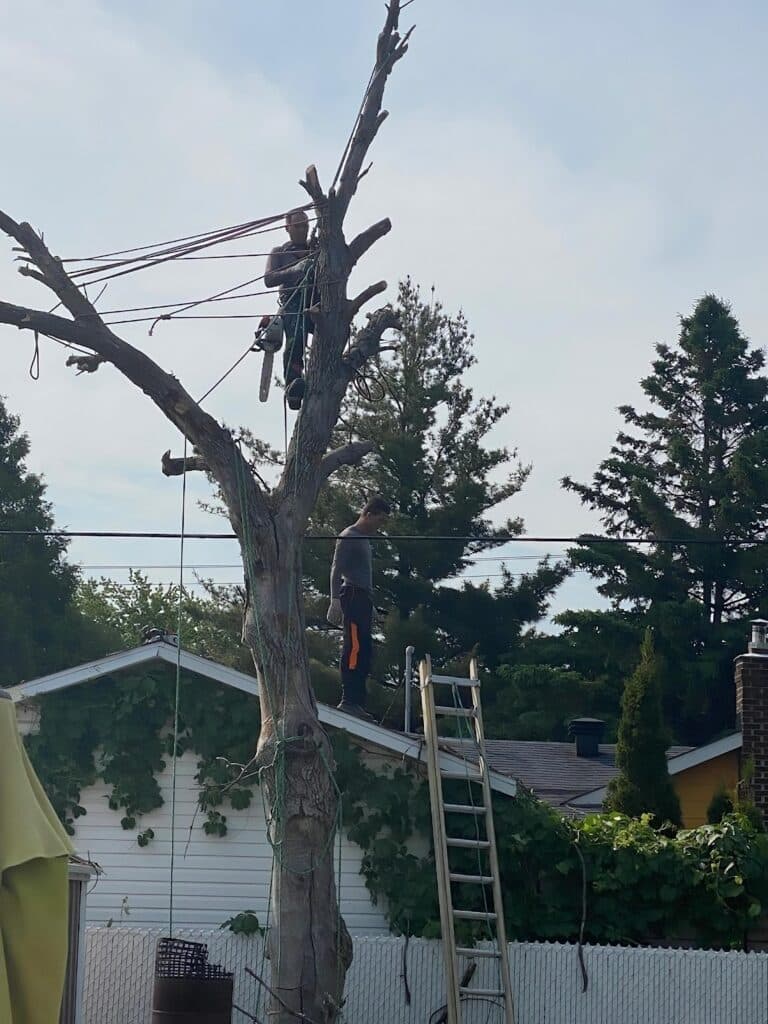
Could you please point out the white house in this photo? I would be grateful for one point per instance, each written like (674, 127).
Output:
(213, 877)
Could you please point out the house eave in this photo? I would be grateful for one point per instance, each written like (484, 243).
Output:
(680, 763)
(399, 744)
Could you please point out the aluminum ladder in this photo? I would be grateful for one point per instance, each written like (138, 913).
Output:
(479, 807)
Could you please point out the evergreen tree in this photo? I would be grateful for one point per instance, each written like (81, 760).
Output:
(40, 630)
(434, 464)
(693, 466)
(643, 784)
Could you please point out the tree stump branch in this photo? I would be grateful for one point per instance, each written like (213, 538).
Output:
(177, 467)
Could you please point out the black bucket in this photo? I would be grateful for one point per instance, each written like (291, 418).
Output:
(189, 990)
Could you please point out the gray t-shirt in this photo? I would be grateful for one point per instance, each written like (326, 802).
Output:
(286, 269)
(352, 562)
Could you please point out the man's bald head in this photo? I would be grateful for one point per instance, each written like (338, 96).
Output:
(297, 226)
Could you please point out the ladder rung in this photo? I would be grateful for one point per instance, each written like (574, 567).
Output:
(475, 915)
(467, 776)
(476, 879)
(469, 844)
(493, 992)
(454, 681)
(463, 809)
(453, 712)
(466, 951)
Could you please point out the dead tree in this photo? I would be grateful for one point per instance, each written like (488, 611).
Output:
(309, 944)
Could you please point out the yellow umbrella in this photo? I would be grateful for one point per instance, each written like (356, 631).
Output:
(34, 851)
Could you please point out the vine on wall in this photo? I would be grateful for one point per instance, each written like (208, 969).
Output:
(116, 730)
(710, 882)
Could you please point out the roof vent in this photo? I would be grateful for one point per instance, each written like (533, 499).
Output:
(759, 640)
(588, 732)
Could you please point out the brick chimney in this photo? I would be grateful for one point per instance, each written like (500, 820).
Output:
(588, 732)
(752, 712)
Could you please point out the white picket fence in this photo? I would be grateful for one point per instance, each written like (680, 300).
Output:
(389, 984)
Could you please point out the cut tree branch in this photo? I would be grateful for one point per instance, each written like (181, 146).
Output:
(368, 340)
(355, 305)
(311, 184)
(85, 364)
(361, 243)
(176, 467)
(348, 455)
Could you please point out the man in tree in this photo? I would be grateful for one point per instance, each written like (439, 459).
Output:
(352, 603)
(289, 268)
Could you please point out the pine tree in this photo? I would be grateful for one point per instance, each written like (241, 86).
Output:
(434, 464)
(40, 630)
(643, 784)
(695, 467)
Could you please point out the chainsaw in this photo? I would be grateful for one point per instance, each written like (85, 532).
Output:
(267, 339)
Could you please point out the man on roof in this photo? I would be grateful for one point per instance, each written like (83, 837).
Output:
(352, 603)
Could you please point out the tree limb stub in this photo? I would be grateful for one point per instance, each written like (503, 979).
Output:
(85, 364)
(361, 243)
(176, 467)
(355, 305)
(348, 455)
(311, 184)
(368, 340)
(27, 271)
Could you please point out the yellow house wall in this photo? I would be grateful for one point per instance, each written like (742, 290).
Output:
(696, 786)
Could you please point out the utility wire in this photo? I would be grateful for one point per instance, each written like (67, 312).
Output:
(237, 565)
(424, 538)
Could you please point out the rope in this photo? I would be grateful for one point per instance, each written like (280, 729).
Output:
(34, 366)
(177, 693)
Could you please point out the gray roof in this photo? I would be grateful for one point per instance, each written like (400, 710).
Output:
(552, 770)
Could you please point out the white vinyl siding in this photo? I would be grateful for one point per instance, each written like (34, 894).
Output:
(214, 877)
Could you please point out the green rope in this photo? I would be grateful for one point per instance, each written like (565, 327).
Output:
(177, 694)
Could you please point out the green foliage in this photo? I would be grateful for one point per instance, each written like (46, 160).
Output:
(694, 466)
(435, 462)
(643, 784)
(244, 923)
(119, 729)
(707, 884)
(536, 702)
(40, 628)
(720, 806)
(725, 802)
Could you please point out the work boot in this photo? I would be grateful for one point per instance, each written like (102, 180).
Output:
(356, 710)
(295, 392)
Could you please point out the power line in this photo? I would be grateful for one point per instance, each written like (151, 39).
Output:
(239, 583)
(424, 538)
(237, 565)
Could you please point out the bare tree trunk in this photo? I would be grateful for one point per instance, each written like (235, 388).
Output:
(309, 946)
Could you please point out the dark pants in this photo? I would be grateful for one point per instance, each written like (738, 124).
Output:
(356, 654)
(297, 326)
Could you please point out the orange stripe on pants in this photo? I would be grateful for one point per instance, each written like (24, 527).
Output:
(353, 654)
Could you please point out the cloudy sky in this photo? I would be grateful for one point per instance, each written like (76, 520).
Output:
(573, 176)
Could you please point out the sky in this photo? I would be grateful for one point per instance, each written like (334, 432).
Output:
(574, 177)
